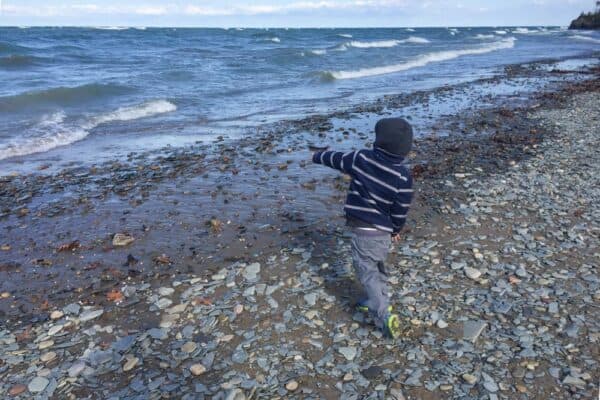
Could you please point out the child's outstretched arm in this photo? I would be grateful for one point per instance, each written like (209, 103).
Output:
(336, 160)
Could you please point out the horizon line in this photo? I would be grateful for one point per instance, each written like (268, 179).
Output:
(280, 27)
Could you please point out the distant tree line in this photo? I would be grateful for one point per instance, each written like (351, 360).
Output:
(590, 20)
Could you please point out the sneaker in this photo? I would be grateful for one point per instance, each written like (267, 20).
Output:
(361, 306)
(391, 326)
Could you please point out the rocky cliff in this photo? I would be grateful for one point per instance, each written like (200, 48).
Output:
(586, 21)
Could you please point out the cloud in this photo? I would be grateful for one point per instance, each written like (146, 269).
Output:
(258, 9)
(151, 10)
(192, 9)
(71, 10)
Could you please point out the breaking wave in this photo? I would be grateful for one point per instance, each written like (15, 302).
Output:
(415, 40)
(135, 112)
(345, 35)
(585, 38)
(376, 44)
(484, 37)
(54, 131)
(419, 61)
(386, 43)
(112, 28)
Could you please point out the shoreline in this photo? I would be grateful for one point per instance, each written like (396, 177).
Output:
(531, 72)
(268, 170)
(184, 278)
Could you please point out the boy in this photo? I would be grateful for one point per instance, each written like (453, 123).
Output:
(378, 200)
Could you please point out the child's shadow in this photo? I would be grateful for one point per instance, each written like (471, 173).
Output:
(338, 276)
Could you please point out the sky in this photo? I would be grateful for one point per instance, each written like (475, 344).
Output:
(291, 13)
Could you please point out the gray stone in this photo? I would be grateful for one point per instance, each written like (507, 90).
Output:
(76, 369)
(38, 384)
(90, 314)
(571, 380)
(311, 299)
(124, 344)
(158, 333)
(165, 291)
(414, 379)
(348, 352)
(235, 394)
(239, 356)
(163, 302)
(472, 273)
(251, 271)
(472, 330)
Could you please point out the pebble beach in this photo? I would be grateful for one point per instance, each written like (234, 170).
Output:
(136, 291)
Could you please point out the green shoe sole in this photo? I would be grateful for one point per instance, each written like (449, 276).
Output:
(365, 309)
(392, 326)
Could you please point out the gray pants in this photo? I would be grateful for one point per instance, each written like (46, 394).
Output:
(369, 251)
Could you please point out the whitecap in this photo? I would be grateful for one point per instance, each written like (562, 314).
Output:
(422, 60)
(375, 44)
(522, 30)
(585, 38)
(345, 35)
(482, 36)
(415, 40)
(50, 132)
(53, 131)
(112, 28)
(145, 110)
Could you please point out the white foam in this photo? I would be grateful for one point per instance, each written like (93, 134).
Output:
(523, 30)
(481, 36)
(453, 30)
(345, 35)
(112, 28)
(274, 40)
(585, 38)
(386, 43)
(318, 52)
(376, 44)
(415, 40)
(49, 133)
(500, 32)
(135, 112)
(410, 30)
(424, 60)
(52, 131)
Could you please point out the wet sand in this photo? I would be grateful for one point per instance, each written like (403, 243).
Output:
(200, 215)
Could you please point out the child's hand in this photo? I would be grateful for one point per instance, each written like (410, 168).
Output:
(396, 238)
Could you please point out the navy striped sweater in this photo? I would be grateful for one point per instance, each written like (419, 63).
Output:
(381, 189)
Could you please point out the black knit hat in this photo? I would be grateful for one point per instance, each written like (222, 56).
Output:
(394, 135)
